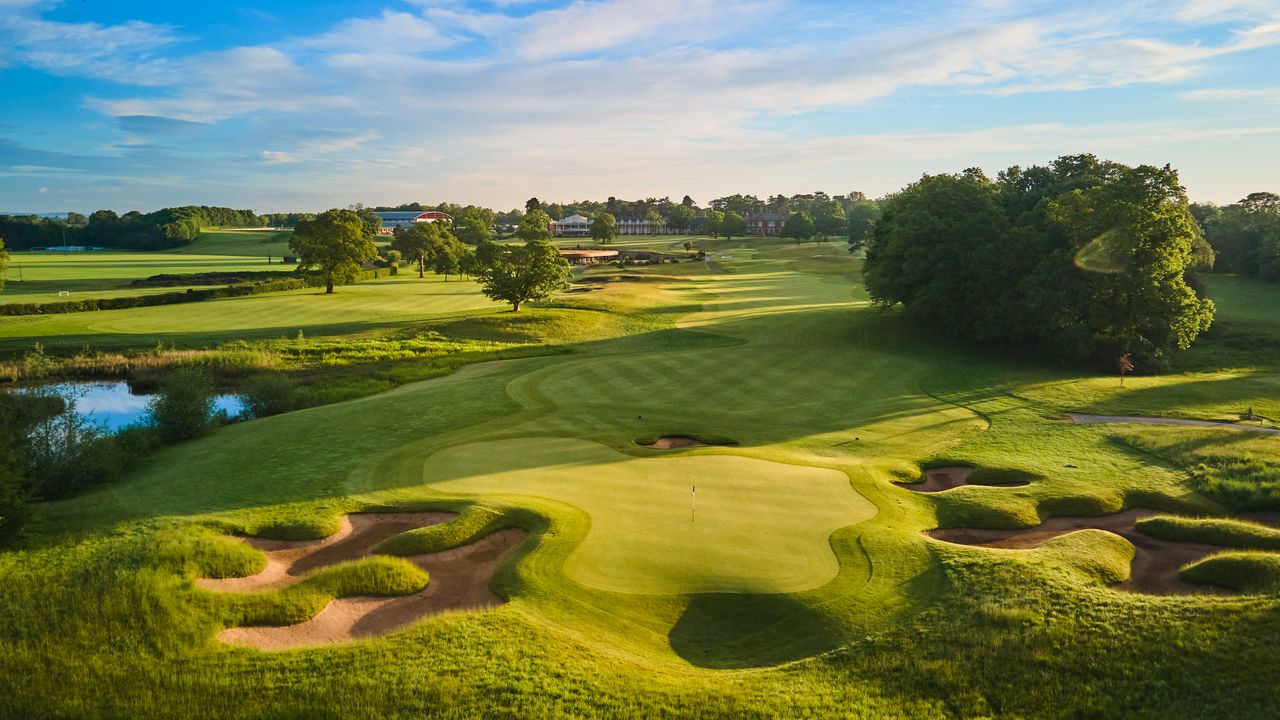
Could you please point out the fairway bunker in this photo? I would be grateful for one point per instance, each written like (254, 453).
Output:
(940, 479)
(675, 442)
(459, 580)
(1155, 565)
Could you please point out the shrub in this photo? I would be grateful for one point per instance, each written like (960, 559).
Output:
(184, 406)
(65, 452)
(265, 395)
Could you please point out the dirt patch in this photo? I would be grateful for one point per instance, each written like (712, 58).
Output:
(1086, 419)
(1155, 562)
(940, 479)
(289, 560)
(459, 580)
(673, 442)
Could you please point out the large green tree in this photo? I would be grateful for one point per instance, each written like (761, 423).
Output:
(733, 225)
(604, 228)
(472, 226)
(535, 226)
(333, 244)
(419, 243)
(518, 274)
(1081, 259)
(681, 218)
(861, 217)
(1246, 236)
(829, 219)
(714, 223)
(799, 226)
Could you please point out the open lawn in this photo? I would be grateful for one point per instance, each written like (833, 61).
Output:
(37, 277)
(354, 308)
(803, 585)
(255, 242)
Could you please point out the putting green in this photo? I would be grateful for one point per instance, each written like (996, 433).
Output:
(759, 526)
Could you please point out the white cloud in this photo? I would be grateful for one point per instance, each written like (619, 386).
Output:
(276, 157)
(392, 32)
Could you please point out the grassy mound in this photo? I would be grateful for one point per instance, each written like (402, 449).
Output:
(1212, 531)
(472, 524)
(203, 553)
(376, 576)
(1248, 572)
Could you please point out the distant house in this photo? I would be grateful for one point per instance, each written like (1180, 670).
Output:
(572, 226)
(768, 224)
(641, 227)
(393, 219)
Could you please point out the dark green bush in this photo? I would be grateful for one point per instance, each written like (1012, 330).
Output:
(268, 394)
(183, 409)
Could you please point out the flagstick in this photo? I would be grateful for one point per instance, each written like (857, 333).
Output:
(693, 502)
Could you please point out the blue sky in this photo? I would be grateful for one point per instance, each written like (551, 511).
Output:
(293, 105)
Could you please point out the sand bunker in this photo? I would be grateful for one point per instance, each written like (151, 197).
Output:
(459, 580)
(1086, 419)
(672, 442)
(1155, 562)
(945, 478)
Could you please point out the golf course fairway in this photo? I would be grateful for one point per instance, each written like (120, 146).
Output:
(798, 581)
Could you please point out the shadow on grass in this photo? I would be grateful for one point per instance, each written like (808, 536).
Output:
(735, 631)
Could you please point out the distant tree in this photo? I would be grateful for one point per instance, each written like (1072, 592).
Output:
(445, 259)
(604, 228)
(467, 261)
(1245, 236)
(861, 219)
(688, 202)
(715, 221)
(829, 219)
(532, 204)
(733, 225)
(536, 225)
(519, 274)
(688, 245)
(472, 227)
(681, 218)
(75, 218)
(799, 226)
(419, 242)
(334, 244)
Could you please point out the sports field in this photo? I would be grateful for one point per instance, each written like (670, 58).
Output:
(797, 581)
(38, 277)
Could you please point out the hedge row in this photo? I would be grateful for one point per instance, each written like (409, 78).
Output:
(173, 298)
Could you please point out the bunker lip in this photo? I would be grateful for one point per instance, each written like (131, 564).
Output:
(941, 479)
(459, 581)
(675, 442)
(289, 560)
(1087, 419)
(1155, 565)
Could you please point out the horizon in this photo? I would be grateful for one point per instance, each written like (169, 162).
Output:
(294, 107)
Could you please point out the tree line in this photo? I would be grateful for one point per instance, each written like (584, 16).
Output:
(1245, 236)
(1082, 259)
(337, 243)
(163, 229)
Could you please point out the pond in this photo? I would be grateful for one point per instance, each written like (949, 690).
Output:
(112, 405)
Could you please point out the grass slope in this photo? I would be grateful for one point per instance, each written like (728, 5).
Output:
(770, 344)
